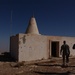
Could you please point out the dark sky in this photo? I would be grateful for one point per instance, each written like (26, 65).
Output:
(54, 17)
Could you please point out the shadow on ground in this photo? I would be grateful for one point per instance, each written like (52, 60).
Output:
(53, 73)
(6, 57)
(53, 64)
(69, 72)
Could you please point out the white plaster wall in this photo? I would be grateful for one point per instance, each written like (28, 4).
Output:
(27, 47)
(34, 48)
(69, 40)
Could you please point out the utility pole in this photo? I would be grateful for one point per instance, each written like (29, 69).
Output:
(11, 24)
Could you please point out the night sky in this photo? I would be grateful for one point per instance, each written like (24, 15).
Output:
(54, 17)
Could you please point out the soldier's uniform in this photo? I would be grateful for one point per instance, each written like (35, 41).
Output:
(65, 53)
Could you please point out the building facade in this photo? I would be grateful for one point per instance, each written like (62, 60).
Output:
(31, 45)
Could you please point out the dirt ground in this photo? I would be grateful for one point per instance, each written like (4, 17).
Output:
(52, 66)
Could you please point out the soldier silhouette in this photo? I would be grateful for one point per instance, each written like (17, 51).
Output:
(65, 53)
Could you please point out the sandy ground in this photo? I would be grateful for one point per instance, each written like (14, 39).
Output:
(44, 67)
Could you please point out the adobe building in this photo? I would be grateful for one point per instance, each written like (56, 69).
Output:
(31, 45)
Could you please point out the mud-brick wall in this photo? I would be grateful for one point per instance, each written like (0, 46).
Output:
(14, 46)
(33, 47)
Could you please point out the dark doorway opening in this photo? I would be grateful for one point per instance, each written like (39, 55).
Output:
(55, 49)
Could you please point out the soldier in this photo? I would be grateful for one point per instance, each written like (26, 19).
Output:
(65, 53)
